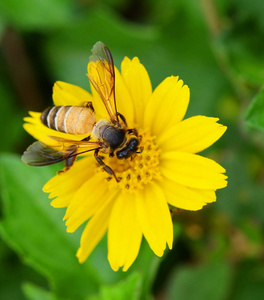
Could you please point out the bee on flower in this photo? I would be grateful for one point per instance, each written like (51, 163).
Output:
(138, 157)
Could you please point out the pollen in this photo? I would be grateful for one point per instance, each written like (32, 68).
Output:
(135, 172)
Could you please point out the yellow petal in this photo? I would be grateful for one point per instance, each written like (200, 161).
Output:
(154, 218)
(64, 185)
(186, 198)
(192, 170)
(191, 135)
(69, 94)
(94, 230)
(167, 105)
(124, 101)
(99, 108)
(60, 202)
(138, 83)
(124, 233)
(87, 200)
(42, 133)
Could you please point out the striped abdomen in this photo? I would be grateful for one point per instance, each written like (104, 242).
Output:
(69, 119)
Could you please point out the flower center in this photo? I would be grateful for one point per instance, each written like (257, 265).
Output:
(141, 169)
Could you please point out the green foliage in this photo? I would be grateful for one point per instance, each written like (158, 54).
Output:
(245, 54)
(251, 10)
(210, 281)
(37, 15)
(249, 283)
(10, 114)
(255, 113)
(51, 252)
(218, 51)
(33, 292)
(128, 289)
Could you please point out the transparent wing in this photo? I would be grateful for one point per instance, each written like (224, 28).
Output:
(101, 73)
(39, 154)
(64, 144)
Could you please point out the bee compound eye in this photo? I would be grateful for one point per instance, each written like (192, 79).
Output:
(121, 154)
(133, 144)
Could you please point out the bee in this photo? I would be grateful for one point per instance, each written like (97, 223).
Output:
(111, 136)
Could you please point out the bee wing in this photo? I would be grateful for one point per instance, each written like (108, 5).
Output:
(63, 144)
(101, 73)
(39, 154)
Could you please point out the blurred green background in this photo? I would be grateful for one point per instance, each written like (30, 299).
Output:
(217, 48)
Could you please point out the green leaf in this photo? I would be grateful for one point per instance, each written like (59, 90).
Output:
(13, 272)
(255, 112)
(34, 14)
(34, 230)
(125, 290)
(33, 292)
(210, 281)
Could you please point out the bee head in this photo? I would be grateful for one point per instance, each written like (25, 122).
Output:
(129, 150)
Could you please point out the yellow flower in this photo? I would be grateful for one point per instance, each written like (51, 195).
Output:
(168, 172)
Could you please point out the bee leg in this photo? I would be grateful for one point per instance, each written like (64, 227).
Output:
(89, 104)
(133, 130)
(122, 118)
(105, 167)
(68, 162)
(87, 139)
(129, 131)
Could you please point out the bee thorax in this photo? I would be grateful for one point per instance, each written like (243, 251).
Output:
(96, 129)
(107, 133)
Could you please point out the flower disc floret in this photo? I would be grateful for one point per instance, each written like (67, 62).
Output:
(138, 171)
